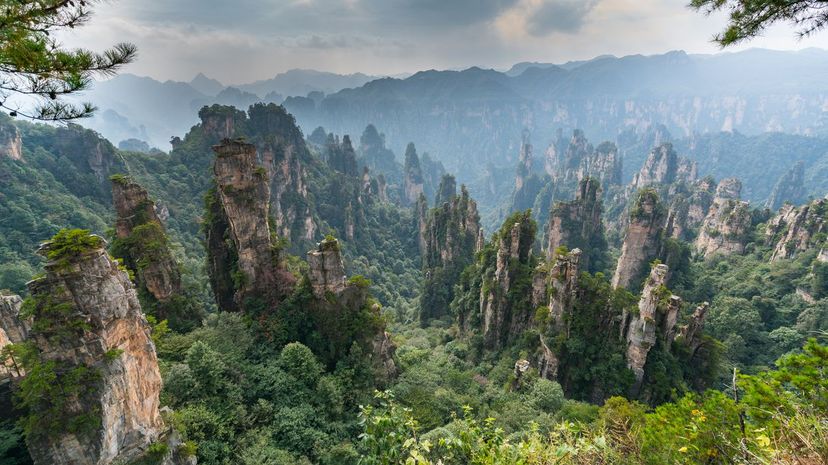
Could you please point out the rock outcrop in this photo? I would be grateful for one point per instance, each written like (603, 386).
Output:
(101, 331)
(341, 155)
(643, 240)
(527, 183)
(13, 330)
(413, 176)
(789, 188)
(337, 300)
(578, 224)
(555, 288)
(144, 240)
(503, 318)
(580, 160)
(325, 268)
(689, 208)
(663, 166)
(797, 229)
(449, 236)
(727, 225)
(656, 318)
(691, 333)
(11, 144)
(604, 164)
(221, 122)
(243, 262)
(284, 155)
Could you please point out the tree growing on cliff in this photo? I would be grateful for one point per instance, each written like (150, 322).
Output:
(749, 18)
(35, 65)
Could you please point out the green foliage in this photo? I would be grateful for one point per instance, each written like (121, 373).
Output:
(748, 19)
(775, 421)
(35, 62)
(68, 244)
(56, 397)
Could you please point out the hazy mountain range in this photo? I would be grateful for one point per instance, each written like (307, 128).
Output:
(153, 111)
(472, 120)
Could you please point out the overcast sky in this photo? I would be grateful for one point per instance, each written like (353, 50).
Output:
(240, 41)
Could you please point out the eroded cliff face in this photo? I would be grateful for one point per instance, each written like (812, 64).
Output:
(450, 232)
(336, 299)
(643, 240)
(413, 183)
(580, 160)
(789, 188)
(13, 330)
(578, 224)
(11, 144)
(727, 225)
(101, 330)
(504, 317)
(142, 232)
(663, 166)
(656, 318)
(240, 248)
(281, 151)
(797, 229)
(688, 209)
(325, 269)
(221, 122)
(558, 290)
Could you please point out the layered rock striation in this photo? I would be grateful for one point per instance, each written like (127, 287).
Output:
(656, 318)
(450, 232)
(797, 229)
(243, 262)
(578, 224)
(643, 240)
(142, 240)
(87, 326)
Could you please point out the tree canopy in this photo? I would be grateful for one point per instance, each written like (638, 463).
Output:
(35, 65)
(749, 18)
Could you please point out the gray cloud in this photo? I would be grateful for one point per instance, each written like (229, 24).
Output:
(559, 16)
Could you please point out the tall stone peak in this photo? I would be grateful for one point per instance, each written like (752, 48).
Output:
(11, 144)
(797, 229)
(578, 224)
(141, 241)
(525, 161)
(239, 211)
(789, 188)
(449, 236)
(106, 335)
(729, 189)
(325, 268)
(220, 122)
(413, 182)
(447, 190)
(341, 155)
(604, 164)
(656, 318)
(664, 166)
(727, 225)
(689, 209)
(503, 319)
(643, 239)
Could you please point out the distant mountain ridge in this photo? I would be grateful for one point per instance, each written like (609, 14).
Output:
(752, 92)
(143, 108)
